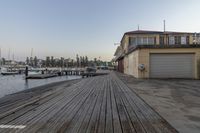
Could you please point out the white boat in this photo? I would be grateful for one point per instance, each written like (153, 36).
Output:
(6, 71)
(33, 72)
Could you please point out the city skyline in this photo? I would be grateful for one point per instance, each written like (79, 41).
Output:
(64, 28)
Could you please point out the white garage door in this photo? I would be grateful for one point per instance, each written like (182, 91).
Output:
(172, 65)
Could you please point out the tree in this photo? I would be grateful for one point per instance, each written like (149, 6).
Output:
(52, 62)
(72, 63)
(61, 62)
(86, 61)
(27, 61)
(43, 63)
(35, 61)
(3, 61)
(83, 61)
(31, 61)
(77, 60)
(47, 61)
(110, 64)
(95, 60)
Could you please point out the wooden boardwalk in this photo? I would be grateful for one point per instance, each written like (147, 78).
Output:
(41, 76)
(101, 104)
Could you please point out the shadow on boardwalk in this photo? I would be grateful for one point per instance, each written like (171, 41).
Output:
(97, 104)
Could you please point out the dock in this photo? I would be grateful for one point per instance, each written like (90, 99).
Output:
(101, 104)
(92, 74)
(41, 76)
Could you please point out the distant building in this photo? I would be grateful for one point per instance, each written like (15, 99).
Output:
(156, 54)
(10, 62)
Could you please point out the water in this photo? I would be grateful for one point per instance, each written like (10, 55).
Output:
(12, 84)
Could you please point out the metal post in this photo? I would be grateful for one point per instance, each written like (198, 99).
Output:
(164, 25)
(26, 71)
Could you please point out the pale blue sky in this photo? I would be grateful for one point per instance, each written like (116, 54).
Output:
(87, 27)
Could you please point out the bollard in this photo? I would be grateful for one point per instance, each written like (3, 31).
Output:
(26, 71)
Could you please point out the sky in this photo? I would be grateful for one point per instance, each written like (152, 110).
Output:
(64, 28)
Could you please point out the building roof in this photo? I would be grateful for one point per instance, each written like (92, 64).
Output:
(119, 49)
(175, 32)
(155, 32)
(143, 32)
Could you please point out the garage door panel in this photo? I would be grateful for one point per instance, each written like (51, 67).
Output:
(171, 65)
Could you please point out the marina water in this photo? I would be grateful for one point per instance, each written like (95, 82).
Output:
(15, 83)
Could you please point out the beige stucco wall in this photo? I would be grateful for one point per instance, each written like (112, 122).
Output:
(124, 43)
(126, 64)
(131, 63)
(191, 39)
(141, 56)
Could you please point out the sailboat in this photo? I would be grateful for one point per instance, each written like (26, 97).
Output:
(7, 70)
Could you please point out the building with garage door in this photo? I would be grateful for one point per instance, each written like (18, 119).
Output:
(156, 54)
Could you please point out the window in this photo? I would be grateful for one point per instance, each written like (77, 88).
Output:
(145, 40)
(177, 39)
(198, 38)
(151, 41)
(183, 40)
(194, 38)
(132, 41)
(171, 40)
(161, 40)
(139, 40)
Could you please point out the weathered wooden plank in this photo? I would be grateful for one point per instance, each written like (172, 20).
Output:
(41, 112)
(83, 116)
(127, 126)
(117, 128)
(98, 104)
(137, 124)
(56, 117)
(109, 119)
(93, 124)
(135, 116)
(139, 111)
(157, 122)
(63, 117)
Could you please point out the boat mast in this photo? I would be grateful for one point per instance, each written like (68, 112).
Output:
(9, 54)
(31, 52)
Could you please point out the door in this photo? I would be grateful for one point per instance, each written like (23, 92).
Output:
(172, 65)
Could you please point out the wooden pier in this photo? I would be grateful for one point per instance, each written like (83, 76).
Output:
(92, 74)
(68, 73)
(102, 104)
(41, 76)
(72, 72)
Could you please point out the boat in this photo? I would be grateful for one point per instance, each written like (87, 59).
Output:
(9, 73)
(6, 71)
(31, 72)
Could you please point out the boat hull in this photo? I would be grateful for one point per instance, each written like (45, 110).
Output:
(9, 73)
